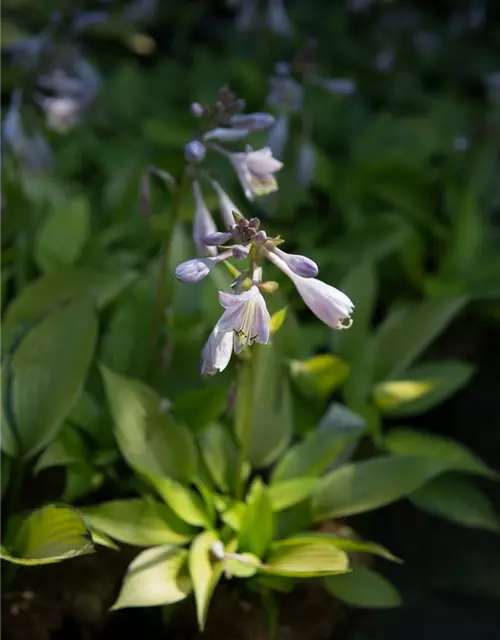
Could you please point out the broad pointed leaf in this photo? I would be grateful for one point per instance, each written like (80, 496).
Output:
(363, 587)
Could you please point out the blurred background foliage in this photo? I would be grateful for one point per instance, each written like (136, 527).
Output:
(400, 210)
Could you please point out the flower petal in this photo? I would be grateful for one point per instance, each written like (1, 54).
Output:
(217, 352)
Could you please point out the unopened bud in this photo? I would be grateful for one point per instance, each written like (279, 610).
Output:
(254, 222)
(217, 238)
(271, 286)
(240, 252)
(194, 151)
(300, 265)
(225, 135)
(252, 121)
(260, 236)
(196, 110)
(193, 270)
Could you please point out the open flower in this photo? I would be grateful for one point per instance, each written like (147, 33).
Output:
(247, 316)
(330, 305)
(255, 170)
(217, 351)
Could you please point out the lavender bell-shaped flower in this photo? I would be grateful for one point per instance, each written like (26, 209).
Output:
(329, 304)
(247, 316)
(217, 351)
(204, 224)
(255, 171)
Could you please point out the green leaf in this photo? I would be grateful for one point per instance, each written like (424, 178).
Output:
(138, 521)
(103, 540)
(363, 486)
(361, 286)
(459, 501)
(245, 565)
(408, 331)
(5, 472)
(277, 320)
(220, 455)
(310, 559)
(314, 454)
(199, 407)
(257, 527)
(363, 587)
(454, 454)
(63, 235)
(151, 441)
(81, 478)
(289, 492)
(183, 501)
(319, 376)
(44, 377)
(421, 388)
(46, 293)
(347, 544)
(157, 576)
(67, 448)
(50, 534)
(205, 573)
(264, 400)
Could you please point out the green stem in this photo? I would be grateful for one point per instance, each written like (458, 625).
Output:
(247, 422)
(162, 300)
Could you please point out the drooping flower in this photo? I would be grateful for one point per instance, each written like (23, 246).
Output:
(226, 206)
(255, 171)
(203, 224)
(247, 316)
(217, 351)
(329, 304)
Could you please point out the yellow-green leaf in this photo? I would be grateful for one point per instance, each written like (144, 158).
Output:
(277, 320)
(182, 500)
(50, 534)
(286, 493)
(308, 559)
(157, 576)
(138, 521)
(205, 572)
(319, 376)
(257, 526)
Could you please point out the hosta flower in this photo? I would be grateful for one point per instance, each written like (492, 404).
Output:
(300, 265)
(247, 316)
(204, 224)
(198, 268)
(278, 136)
(330, 305)
(226, 206)
(217, 351)
(255, 170)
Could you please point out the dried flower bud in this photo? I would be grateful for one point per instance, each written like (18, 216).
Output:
(196, 110)
(195, 151)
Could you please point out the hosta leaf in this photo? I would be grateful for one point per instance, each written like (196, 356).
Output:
(277, 320)
(151, 441)
(363, 486)
(185, 502)
(44, 376)
(347, 544)
(305, 559)
(220, 455)
(363, 587)
(319, 376)
(257, 526)
(138, 521)
(314, 454)
(200, 407)
(459, 501)
(264, 400)
(157, 576)
(455, 455)
(63, 235)
(67, 448)
(205, 572)
(408, 331)
(50, 534)
(421, 388)
(286, 493)
(46, 293)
